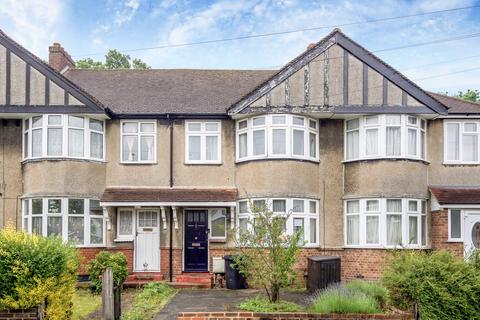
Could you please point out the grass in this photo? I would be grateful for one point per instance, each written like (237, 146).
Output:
(149, 300)
(84, 303)
(261, 304)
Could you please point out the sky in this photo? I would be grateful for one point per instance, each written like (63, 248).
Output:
(89, 28)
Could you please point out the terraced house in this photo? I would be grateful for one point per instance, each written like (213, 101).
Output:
(160, 164)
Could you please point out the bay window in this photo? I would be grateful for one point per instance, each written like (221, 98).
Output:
(461, 142)
(277, 136)
(300, 215)
(386, 223)
(203, 142)
(79, 221)
(63, 136)
(385, 136)
(138, 141)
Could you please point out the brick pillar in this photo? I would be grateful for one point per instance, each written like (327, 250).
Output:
(58, 58)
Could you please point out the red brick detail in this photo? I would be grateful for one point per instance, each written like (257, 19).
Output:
(439, 234)
(165, 262)
(290, 316)
(58, 58)
(28, 314)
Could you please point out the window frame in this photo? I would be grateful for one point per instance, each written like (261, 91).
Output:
(462, 217)
(461, 134)
(203, 134)
(210, 234)
(125, 237)
(139, 135)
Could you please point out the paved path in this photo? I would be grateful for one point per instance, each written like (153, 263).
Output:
(188, 300)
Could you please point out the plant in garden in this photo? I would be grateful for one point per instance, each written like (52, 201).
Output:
(104, 260)
(443, 286)
(474, 259)
(266, 254)
(372, 289)
(34, 270)
(149, 300)
(261, 304)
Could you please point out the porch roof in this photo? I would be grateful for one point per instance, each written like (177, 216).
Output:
(168, 196)
(456, 195)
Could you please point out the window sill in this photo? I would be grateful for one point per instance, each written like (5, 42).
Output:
(386, 159)
(379, 247)
(39, 159)
(453, 164)
(190, 163)
(455, 240)
(123, 240)
(139, 163)
(240, 161)
(218, 240)
(90, 246)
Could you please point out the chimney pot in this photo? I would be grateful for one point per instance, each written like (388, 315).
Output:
(58, 58)
(311, 46)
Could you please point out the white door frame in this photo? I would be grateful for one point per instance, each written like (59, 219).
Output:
(135, 216)
(183, 235)
(471, 217)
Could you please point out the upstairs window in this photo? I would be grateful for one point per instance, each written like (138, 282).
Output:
(461, 142)
(385, 136)
(63, 136)
(277, 136)
(138, 141)
(203, 142)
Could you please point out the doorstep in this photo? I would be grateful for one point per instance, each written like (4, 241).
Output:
(141, 278)
(193, 280)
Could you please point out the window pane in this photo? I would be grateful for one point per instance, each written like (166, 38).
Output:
(470, 127)
(258, 142)
(298, 121)
(218, 223)
(54, 141)
(147, 127)
(96, 145)
(298, 226)
(76, 206)
(372, 229)
(298, 142)
(313, 230)
(279, 141)
(371, 142)
(412, 206)
(125, 223)
(412, 120)
(37, 122)
(455, 224)
(372, 205)
(413, 230)
(242, 141)
(313, 144)
(278, 120)
(279, 206)
(259, 205)
(194, 126)
(371, 120)
(453, 141)
(36, 142)
(26, 124)
(95, 208)
(130, 127)
(394, 205)
(412, 141)
(242, 124)
(353, 206)
(211, 126)
(37, 225)
(25, 145)
(96, 231)
(396, 120)
(76, 122)
(54, 120)
(242, 225)
(96, 125)
(313, 207)
(194, 148)
(393, 141)
(75, 142)
(259, 121)
(37, 207)
(424, 231)
(130, 147)
(76, 230)
(312, 124)
(243, 207)
(147, 148)
(422, 144)
(54, 226)
(54, 206)
(298, 206)
(394, 229)
(353, 229)
(352, 124)
(211, 148)
(352, 145)
(470, 148)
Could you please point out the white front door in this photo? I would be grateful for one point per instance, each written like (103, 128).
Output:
(147, 241)
(471, 232)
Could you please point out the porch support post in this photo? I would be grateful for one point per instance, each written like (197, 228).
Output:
(107, 218)
(175, 220)
(232, 217)
(164, 217)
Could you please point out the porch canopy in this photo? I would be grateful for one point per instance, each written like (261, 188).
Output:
(153, 197)
(455, 196)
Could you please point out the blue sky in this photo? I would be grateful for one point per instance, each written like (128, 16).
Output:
(85, 27)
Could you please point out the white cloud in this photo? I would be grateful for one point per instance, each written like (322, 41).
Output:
(33, 23)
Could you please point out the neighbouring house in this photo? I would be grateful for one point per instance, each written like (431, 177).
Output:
(160, 164)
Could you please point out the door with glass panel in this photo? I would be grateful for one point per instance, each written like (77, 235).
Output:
(471, 232)
(147, 241)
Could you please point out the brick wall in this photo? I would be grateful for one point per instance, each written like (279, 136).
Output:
(165, 262)
(88, 254)
(290, 316)
(439, 234)
(29, 314)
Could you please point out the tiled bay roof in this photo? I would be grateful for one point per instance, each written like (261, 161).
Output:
(169, 195)
(456, 195)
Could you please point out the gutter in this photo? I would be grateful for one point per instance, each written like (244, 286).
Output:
(168, 116)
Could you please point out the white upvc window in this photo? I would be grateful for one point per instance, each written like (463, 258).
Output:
(125, 224)
(303, 216)
(455, 225)
(218, 224)
(275, 136)
(461, 141)
(390, 223)
(79, 221)
(203, 142)
(138, 141)
(385, 136)
(63, 136)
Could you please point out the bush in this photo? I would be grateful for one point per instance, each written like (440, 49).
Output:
(474, 259)
(149, 301)
(34, 270)
(261, 304)
(443, 286)
(371, 289)
(341, 299)
(104, 260)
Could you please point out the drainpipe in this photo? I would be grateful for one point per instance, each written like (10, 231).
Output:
(170, 252)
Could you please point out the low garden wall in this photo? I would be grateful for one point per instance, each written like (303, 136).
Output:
(29, 314)
(290, 316)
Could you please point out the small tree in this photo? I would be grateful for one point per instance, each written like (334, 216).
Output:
(266, 254)
(113, 60)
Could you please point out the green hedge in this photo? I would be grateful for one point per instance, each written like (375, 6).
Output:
(443, 286)
(104, 260)
(34, 270)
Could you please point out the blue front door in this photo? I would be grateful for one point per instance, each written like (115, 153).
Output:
(196, 240)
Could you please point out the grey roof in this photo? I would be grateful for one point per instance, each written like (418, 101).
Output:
(457, 105)
(182, 91)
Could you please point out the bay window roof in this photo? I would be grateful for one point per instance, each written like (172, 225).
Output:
(456, 195)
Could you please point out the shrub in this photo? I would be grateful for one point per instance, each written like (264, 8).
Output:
(371, 289)
(261, 304)
(149, 300)
(104, 260)
(443, 286)
(474, 259)
(34, 270)
(341, 299)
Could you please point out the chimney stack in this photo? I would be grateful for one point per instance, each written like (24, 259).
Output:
(58, 58)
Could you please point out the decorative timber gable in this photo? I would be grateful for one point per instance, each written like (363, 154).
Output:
(29, 85)
(337, 75)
